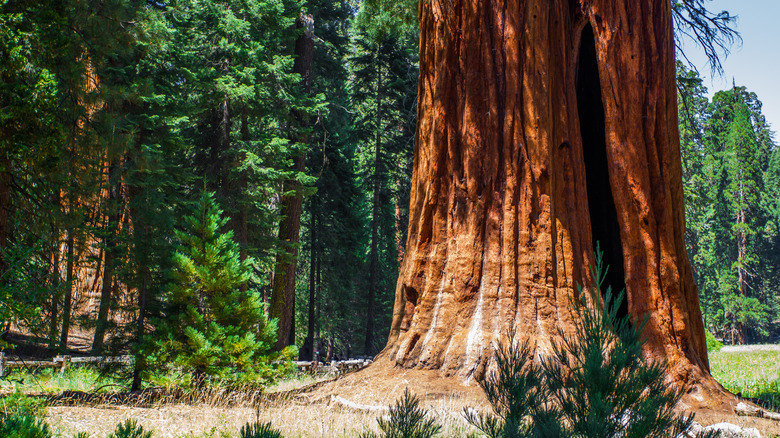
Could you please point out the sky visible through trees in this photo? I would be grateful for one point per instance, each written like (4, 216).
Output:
(751, 64)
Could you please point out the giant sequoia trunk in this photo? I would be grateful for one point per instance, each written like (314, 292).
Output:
(544, 126)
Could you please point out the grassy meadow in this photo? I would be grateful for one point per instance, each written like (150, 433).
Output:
(751, 371)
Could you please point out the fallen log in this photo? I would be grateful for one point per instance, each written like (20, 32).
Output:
(352, 405)
(751, 411)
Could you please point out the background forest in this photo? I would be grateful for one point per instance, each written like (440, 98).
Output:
(177, 175)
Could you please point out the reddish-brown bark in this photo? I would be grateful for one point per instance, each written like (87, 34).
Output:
(500, 231)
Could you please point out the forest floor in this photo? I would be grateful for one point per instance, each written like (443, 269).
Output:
(295, 408)
(319, 407)
(299, 409)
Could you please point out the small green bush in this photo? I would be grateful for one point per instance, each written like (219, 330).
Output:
(23, 426)
(595, 384)
(18, 403)
(258, 430)
(713, 344)
(212, 325)
(129, 429)
(406, 419)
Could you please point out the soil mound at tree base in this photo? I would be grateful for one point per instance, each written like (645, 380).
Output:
(381, 383)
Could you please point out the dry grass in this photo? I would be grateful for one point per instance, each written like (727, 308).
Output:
(220, 413)
(294, 416)
(293, 406)
(293, 419)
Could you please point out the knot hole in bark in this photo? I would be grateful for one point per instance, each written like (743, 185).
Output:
(605, 229)
(411, 295)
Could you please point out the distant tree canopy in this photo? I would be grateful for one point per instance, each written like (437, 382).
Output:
(730, 160)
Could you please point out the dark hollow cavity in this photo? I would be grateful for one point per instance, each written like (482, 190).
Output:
(603, 214)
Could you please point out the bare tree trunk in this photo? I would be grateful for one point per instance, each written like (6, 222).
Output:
(109, 254)
(502, 226)
(373, 265)
(318, 309)
(242, 222)
(5, 206)
(329, 353)
(308, 345)
(55, 270)
(142, 248)
(283, 292)
(68, 299)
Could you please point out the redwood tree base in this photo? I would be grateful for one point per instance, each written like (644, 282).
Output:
(544, 127)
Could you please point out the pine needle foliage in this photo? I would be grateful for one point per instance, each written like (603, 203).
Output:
(518, 393)
(259, 430)
(214, 326)
(130, 429)
(406, 419)
(23, 426)
(595, 384)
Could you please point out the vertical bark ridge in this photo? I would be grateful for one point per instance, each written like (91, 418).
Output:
(658, 275)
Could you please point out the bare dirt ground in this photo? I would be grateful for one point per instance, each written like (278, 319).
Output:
(315, 411)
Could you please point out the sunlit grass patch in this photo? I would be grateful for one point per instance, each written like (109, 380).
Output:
(51, 381)
(754, 374)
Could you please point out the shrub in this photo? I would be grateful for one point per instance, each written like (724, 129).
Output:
(518, 394)
(406, 419)
(258, 430)
(595, 384)
(18, 403)
(23, 426)
(129, 429)
(713, 344)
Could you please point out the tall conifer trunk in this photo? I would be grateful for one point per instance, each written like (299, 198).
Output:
(373, 264)
(283, 292)
(242, 221)
(502, 223)
(5, 206)
(55, 271)
(144, 278)
(109, 253)
(307, 350)
(68, 299)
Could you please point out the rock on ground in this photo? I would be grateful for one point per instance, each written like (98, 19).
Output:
(727, 430)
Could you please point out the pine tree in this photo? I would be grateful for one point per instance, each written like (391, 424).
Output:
(213, 326)
(31, 150)
(736, 155)
(727, 150)
(406, 419)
